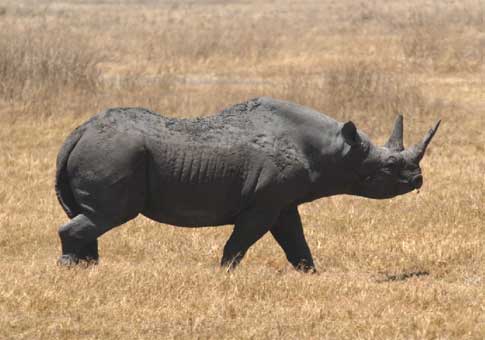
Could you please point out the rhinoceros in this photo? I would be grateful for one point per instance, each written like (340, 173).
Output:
(251, 165)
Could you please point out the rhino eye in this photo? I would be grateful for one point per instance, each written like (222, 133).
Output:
(391, 165)
(392, 162)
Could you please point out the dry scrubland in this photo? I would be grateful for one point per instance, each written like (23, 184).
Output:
(60, 62)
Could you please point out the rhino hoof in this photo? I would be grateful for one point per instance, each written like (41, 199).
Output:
(306, 268)
(67, 260)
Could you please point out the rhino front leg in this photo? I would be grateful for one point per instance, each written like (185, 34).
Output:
(249, 228)
(288, 232)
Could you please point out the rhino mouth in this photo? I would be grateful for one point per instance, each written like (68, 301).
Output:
(405, 186)
(383, 191)
(416, 182)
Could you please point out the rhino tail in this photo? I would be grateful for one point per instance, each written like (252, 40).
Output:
(63, 189)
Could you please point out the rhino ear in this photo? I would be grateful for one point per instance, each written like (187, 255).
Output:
(349, 134)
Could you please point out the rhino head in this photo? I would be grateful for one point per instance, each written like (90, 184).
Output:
(388, 171)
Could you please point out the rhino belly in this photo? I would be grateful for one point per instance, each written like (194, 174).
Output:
(193, 205)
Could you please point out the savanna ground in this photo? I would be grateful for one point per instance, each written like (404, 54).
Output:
(62, 61)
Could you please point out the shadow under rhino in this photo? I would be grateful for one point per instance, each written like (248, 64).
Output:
(386, 277)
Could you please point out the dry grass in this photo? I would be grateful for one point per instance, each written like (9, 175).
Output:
(60, 62)
(39, 67)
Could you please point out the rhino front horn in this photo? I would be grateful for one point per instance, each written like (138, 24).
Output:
(418, 150)
(395, 142)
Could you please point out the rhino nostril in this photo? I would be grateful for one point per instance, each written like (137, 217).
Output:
(417, 181)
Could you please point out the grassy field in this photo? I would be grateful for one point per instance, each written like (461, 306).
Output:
(412, 267)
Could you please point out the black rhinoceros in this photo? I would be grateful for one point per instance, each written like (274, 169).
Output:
(250, 165)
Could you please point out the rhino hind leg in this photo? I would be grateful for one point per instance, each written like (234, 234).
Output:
(106, 194)
(288, 232)
(105, 207)
(79, 237)
(79, 241)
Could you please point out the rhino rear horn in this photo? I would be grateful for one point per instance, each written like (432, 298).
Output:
(418, 150)
(395, 142)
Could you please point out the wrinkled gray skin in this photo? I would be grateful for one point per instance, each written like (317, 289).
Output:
(251, 165)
